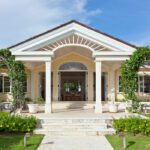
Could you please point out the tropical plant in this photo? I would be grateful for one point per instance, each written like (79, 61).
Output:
(16, 73)
(129, 72)
(39, 100)
(17, 123)
(133, 125)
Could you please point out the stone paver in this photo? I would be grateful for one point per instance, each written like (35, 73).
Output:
(75, 143)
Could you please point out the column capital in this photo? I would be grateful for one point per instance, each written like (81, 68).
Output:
(97, 61)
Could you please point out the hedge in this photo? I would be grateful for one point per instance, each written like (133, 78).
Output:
(133, 125)
(17, 123)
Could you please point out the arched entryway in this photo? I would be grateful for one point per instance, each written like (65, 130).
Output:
(72, 82)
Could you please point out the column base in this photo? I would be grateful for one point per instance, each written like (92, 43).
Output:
(98, 108)
(48, 108)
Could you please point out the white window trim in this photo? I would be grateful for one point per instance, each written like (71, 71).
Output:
(3, 86)
(143, 93)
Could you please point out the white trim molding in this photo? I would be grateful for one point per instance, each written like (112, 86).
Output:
(33, 56)
(112, 58)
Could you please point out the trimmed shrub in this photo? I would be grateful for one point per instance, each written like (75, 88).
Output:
(133, 125)
(17, 123)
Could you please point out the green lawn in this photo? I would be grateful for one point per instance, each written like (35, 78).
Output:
(137, 142)
(15, 142)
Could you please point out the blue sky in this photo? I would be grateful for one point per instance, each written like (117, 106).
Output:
(128, 20)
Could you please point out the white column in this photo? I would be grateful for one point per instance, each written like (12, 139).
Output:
(98, 104)
(112, 80)
(32, 85)
(48, 103)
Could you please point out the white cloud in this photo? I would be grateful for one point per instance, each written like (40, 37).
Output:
(23, 18)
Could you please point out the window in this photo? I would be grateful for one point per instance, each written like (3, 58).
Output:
(120, 88)
(4, 84)
(144, 84)
(73, 66)
(1, 83)
(25, 86)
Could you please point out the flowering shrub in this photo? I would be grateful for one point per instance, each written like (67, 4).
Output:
(17, 123)
(133, 125)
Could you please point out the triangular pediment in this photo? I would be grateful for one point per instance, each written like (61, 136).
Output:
(75, 34)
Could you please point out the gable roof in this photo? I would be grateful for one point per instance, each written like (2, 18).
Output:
(67, 23)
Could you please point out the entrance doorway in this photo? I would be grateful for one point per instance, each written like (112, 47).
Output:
(72, 81)
(72, 86)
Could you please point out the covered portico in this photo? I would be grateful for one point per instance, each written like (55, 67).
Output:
(73, 43)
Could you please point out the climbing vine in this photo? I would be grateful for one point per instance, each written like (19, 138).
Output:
(16, 73)
(129, 72)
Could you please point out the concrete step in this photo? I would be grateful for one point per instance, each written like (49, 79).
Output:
(74, 126)
(75, 133)
(73, 120)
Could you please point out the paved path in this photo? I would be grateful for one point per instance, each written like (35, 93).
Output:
(75, 143)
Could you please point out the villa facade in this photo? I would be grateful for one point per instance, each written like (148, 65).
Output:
(74, 62)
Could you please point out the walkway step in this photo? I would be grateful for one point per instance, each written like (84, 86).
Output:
(75, 133)
(75, 120)
(74, 126)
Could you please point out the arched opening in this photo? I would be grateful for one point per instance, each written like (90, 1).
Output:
(73, 66)
(72, 78)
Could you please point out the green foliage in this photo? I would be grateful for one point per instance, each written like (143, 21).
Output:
(147, 115)
(16, 73)
(39, 100)
(17, 123)
(28, 99)
(133, 125)
(14, 141)
(3, 114)
(129, 69)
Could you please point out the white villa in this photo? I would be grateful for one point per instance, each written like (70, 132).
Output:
(74, 62)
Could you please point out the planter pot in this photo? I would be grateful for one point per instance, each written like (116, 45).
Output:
(113, 108)
(33, 108)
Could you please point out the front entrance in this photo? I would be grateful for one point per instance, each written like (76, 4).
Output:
(72, 86)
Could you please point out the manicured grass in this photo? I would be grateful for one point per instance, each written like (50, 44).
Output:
(138, 142)
(147, 115)
(15, 142)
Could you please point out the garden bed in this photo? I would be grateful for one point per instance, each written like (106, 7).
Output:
(16, 123)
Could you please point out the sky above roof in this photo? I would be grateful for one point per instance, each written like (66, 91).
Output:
(128, 20)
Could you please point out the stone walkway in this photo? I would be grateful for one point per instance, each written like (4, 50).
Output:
(75, 143)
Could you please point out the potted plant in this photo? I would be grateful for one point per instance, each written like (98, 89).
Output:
(128, 109)
(33, 107)
(113, 107)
